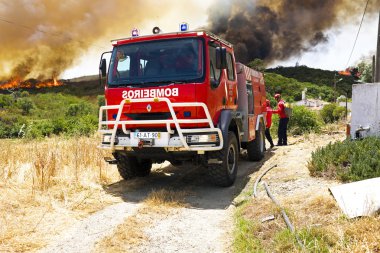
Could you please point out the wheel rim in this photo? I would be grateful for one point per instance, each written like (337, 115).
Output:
(231, 159)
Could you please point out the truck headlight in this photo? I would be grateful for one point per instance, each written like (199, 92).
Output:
(107, 139)
(211, 138)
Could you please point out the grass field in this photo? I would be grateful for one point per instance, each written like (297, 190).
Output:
(49, 181)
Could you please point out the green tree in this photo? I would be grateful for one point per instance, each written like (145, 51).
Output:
(365, 68)
(257, 64)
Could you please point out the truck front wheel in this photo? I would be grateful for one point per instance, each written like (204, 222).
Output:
(256, 148)
(222, 171)
(130, 167)
(145, 165)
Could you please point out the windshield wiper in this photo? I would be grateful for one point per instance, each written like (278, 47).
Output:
(160, 83)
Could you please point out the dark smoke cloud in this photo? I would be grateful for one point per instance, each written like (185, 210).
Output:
(278, 29)
(42, 38)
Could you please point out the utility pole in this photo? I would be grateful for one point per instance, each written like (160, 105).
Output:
(377, 74)
(373, 68)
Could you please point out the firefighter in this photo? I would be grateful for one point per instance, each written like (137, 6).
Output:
(119, 57)
(186, 61)
(269, 123)
(283, 125)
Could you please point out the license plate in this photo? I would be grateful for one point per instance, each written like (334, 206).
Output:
(148, 135)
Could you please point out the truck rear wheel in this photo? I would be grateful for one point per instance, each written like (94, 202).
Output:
(130, 167)
(256, 148)
(224, 173)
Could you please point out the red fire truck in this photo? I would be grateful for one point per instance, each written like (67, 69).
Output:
(180, 97)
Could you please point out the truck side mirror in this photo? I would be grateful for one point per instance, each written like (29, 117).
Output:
(103, 67)
(221, 58)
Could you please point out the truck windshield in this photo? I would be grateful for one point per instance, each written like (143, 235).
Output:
(157, 62)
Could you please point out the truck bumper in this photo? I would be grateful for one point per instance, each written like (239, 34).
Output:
(117, 136)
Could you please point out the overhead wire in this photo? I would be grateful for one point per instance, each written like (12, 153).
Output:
(357, 35)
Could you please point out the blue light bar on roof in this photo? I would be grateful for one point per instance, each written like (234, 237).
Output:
(135, 32)
(183, 27)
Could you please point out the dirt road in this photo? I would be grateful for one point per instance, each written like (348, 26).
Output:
(204, 221)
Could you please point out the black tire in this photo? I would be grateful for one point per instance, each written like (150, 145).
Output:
(256, 148)
(176, 163)
(144, 168)
(130, 167)
(224, 174)
(126, 166)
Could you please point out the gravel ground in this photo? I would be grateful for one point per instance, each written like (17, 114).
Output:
(82, 236)
(189, 230)
(205, 224)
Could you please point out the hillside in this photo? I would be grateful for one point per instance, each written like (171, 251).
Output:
(317, 76)
(71, 108)
(291, 88)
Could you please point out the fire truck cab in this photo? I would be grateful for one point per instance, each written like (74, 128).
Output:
(180, 97)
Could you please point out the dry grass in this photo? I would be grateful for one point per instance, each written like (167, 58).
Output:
(47, 185)
(159, 203)
(319, 224)
(126, 235)
(167, 198)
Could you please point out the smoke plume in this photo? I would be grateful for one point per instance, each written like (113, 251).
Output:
(42, 38)
(278, 29)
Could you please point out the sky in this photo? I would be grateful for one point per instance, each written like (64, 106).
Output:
(333, 55)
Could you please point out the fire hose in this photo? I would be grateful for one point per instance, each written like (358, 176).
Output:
(259, 178)
(283, 213)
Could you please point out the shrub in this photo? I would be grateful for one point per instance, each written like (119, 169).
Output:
(60, 125)
(79, 109)
(347, 160)
(101, 100)
(302, 121)
(5, 101)
(85, 125)
(339, 112)
(25, 104)
(10, 125)
(41, 128)
(24, 94)
(332, 112)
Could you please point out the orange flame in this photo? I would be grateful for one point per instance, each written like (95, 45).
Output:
(344, 73)
(18, 83)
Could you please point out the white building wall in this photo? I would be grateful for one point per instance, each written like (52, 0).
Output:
(365, 109)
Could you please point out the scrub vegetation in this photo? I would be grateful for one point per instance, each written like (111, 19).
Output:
(40, 115)
(347, 160)
(324, 79)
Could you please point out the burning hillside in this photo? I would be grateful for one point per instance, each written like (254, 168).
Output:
(18, 83)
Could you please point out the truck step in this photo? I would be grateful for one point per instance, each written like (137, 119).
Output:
(110, 160)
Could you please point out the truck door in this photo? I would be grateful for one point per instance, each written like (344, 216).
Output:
(231, 83)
